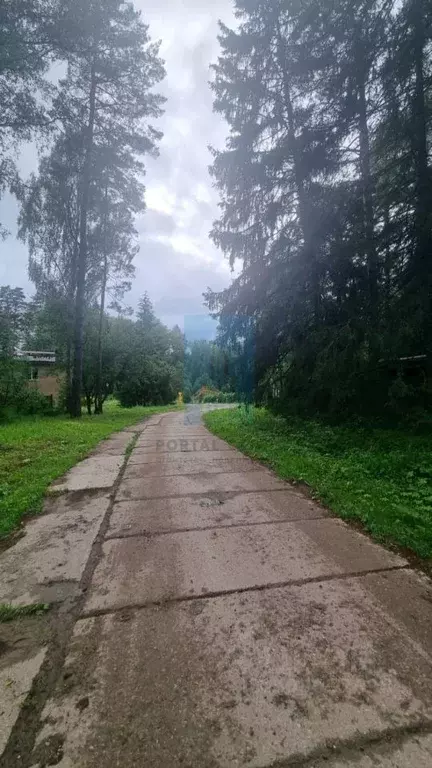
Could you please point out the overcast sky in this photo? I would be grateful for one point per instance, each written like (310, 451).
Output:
(177, 261)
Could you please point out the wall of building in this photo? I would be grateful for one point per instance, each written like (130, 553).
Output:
(48, 383)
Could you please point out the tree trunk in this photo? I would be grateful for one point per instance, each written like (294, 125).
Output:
(368, 206)
(420, 147)
(99, 400)
(305, 216)
(387, 268)
(82, 256)
(70, 330)
(89, 404)
(68, 372)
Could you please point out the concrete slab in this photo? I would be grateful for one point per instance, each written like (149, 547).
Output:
(157, 515)
(47, 564)
(405, 752)
(406, 595)
(183, 428)
(199, 464)
(137, 571)
(352, 551)
(140, 457)
(114, 446)
(196, 445)
(147, 437)
(96, 472)
(284, 674)
(186, 485)
(16, 681)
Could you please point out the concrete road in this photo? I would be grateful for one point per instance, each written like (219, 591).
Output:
(229, 621)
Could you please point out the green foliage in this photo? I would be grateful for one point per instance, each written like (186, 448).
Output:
(326, 200)
(151, 368)
(30, 402)
(219, 397)
(34, 451)
(13, 381)
(13, 310)
(227, 397)
(211, 398)
(12, 612)
(208, 365)
(381, 477)
(24, 58)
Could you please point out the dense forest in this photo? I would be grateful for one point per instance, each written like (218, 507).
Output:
(326, 190)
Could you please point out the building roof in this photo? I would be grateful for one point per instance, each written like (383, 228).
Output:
(36, 356)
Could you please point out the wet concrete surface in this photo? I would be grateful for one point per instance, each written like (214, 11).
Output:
(247, 679)
(47, 563)
(96, 472)
(188, 458)
(16, 680)
(230, 621)
(191, 512)
(191, 466)
(140, 570)
(205, 482)
(186, 445)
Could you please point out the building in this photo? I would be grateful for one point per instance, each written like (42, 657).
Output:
(43, 372)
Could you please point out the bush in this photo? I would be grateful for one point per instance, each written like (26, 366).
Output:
(150, 382)
(219, 397)
(31, 402)
(210, 398)
(16, 397)
(227, 397)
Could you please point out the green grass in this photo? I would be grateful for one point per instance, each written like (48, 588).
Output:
(34, 451)
(11, 612)
(382, 477)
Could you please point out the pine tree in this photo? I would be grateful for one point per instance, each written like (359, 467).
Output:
(26, 49)
(106, 98)
(325, 187)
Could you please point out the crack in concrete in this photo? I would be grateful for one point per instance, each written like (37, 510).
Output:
(167, 531)
(225, 495)
(241, 590)
(354, 748)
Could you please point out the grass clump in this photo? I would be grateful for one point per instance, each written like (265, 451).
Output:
(11, 612)
(381, 477)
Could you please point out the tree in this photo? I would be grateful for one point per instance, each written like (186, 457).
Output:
(13, 309)
(153, 372)
(25, 53)
(107, 99)
(49, 224)
(325, 193)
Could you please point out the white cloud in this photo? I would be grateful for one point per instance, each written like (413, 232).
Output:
(159, 199)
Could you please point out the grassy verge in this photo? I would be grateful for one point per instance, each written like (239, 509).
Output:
(35, 451)
(381, 477)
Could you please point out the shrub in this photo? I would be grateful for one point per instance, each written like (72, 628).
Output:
(31, 402)
(16, 397)
(227, 397)
(210, 398)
